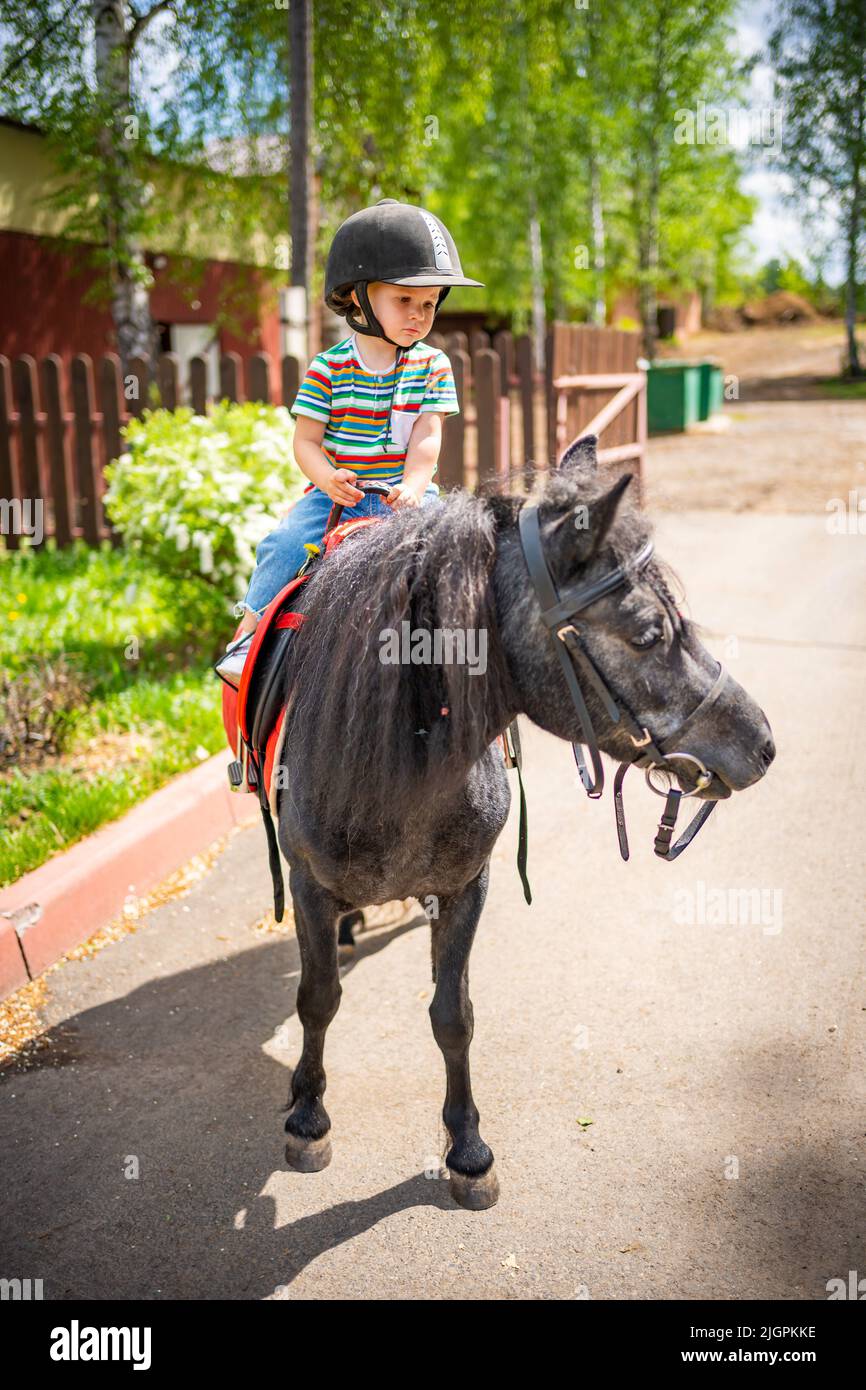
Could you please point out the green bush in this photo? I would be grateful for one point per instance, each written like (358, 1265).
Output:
(197, 493)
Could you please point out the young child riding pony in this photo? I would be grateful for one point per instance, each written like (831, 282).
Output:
(365, 414)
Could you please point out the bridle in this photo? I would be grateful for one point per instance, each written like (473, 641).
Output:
(558, 611)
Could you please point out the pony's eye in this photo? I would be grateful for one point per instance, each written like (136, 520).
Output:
(649, 638)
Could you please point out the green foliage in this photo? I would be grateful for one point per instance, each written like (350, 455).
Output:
(141, 651)
(195, 494)
(142, 138)
(490, 115)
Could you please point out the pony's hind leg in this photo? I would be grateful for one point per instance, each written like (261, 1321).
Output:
(469, 1160)
(308, 1148)
(346, 936)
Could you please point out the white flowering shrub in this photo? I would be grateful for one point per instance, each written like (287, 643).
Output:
(197, 493)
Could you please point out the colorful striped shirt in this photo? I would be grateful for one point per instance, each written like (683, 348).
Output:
(364, 431)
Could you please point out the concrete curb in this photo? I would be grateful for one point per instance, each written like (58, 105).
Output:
(66, 900)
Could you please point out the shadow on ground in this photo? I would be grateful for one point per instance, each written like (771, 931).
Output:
(174, 1074)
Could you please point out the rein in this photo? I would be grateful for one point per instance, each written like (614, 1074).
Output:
(557, 611)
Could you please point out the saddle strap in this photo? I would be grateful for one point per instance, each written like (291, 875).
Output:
(522, 840)
(273, 847)
(514, 758)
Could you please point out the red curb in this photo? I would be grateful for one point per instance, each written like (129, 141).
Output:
(13, 971)
(85, 887)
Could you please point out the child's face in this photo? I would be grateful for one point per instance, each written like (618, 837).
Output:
(405, 311)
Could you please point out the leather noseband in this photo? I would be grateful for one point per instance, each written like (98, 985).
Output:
(557, 611)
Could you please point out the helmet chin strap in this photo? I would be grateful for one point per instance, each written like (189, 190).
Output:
(372, 327)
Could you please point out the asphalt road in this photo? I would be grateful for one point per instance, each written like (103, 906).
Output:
(721, 1064)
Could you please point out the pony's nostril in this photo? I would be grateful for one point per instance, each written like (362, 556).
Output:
(768, 753)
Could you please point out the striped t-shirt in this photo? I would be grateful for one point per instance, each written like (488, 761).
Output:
(354, 402)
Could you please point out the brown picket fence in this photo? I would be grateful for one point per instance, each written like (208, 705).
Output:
(59, 428)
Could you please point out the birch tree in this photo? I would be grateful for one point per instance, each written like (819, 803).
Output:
(818, 48)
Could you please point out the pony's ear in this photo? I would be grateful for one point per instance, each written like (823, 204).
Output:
(580, 531)
(581, 454)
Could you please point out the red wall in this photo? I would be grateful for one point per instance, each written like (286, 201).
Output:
(41, 308)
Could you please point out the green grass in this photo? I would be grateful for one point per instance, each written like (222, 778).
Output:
(143, 652)
(838, 389)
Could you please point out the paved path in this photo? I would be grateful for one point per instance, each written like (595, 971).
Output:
(697, 1051)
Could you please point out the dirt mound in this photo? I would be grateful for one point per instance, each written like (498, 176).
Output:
(724, 319)
(782, 306)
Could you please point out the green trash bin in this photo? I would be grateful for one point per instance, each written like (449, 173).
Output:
(711, 391)
(673, 395)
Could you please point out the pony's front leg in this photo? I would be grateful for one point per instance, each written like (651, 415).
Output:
(316, 912)
(469, 1160)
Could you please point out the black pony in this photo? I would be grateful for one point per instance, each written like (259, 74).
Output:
(393, 782)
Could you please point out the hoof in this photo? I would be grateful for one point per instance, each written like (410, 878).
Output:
(475, 1193)
(308, 1155)
(346, 951)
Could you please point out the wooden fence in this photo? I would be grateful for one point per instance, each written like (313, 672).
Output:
(58, 429)
(585, 366)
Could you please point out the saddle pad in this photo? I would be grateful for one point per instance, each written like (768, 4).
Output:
(266, 622)
(238, 718)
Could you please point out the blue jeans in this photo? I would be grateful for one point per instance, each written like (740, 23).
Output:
(281, 553)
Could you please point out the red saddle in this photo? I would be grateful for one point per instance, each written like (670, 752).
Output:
(253, 713)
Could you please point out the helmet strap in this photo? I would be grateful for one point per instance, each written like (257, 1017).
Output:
(372, 327)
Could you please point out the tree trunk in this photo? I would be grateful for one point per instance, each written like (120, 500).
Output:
(853, 364)
(599, 308)
(121, 191)
(853, 231)
(302, 199)
(538, 318)
(648, 258)
(120, 186)
(648, 249)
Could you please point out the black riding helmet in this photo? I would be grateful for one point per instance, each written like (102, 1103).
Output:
(394, 242)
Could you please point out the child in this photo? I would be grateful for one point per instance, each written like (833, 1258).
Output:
(371, 413)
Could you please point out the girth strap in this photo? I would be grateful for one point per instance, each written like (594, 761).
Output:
(273, 848)
(274, 863)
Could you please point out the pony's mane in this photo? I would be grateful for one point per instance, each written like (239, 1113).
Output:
(375, 742)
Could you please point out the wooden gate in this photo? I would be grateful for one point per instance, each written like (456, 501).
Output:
(585, 365)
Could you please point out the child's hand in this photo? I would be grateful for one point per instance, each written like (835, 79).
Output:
(339, 488)
(402, 495)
